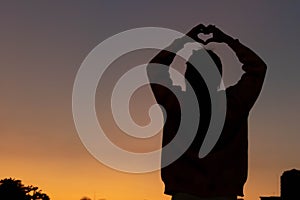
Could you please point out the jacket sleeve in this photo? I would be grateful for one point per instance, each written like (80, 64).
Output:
(246, 91)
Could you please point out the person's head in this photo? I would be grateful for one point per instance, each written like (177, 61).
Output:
(199, 58)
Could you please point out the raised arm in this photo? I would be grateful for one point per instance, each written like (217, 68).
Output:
(158, 68)
(246, 91)
(158, 72)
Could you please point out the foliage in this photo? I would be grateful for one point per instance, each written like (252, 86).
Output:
(14, 190)
(85, 198)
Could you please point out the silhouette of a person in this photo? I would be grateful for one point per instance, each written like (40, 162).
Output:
(221, 174)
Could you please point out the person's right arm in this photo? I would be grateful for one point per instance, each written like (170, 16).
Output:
(158, 71)
(158, 67)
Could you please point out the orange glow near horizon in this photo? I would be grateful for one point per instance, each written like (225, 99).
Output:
(91, 178)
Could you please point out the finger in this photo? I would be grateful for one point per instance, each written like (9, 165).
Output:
(199, 40)
(199, 28)
(209, 40)
(210, 29)
(211, 26)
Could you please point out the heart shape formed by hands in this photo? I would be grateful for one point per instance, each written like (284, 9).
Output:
(205, 36)
(200, 31)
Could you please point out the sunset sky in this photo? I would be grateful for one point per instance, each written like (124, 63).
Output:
(43, 44)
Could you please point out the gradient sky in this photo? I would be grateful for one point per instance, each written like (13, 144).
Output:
(43, 44)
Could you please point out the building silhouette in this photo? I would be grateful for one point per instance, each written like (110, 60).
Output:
(270, 198)
(289, 186)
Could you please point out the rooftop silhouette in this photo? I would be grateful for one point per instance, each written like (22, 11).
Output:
(289, 186)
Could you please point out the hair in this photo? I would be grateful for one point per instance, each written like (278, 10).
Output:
(191, 72)
(216, 59)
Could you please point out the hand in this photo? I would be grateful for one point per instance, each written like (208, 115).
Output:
(218, 35)
(195, 32)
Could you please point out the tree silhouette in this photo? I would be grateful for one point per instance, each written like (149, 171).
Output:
(85, 198)
(14, 190)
